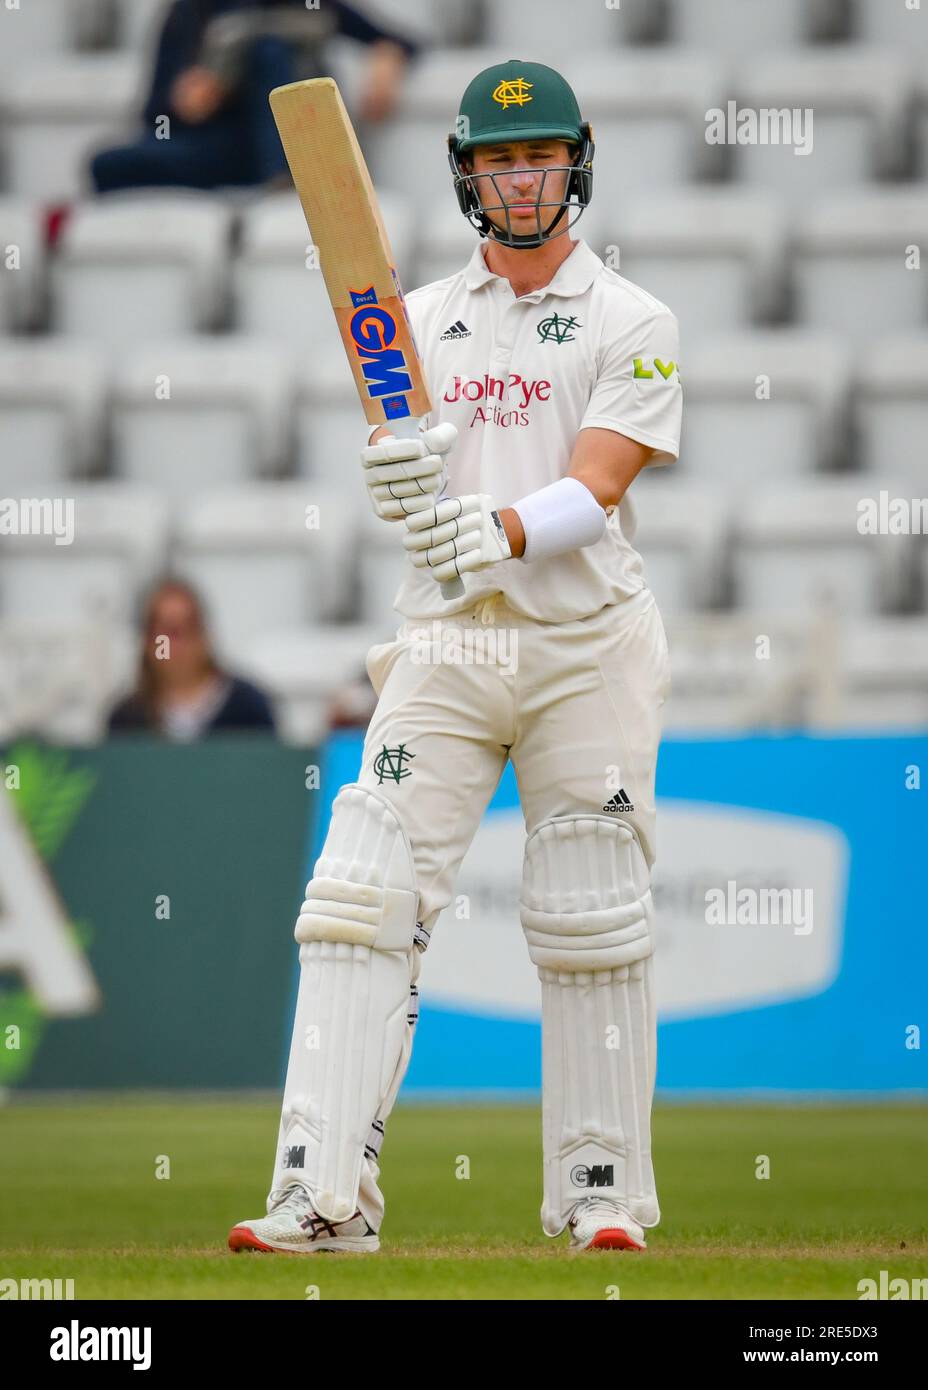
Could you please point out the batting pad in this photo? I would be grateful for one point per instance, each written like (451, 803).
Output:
(352, 1033)
(586, 911)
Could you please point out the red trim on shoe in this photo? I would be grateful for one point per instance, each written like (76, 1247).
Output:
(244, 1238)
(613, 1238)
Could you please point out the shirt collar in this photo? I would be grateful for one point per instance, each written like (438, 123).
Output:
(573, 275)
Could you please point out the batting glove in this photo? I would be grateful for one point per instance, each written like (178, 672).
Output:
(406, 475)
(456, 536)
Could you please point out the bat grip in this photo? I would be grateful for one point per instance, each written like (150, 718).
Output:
(409, 429)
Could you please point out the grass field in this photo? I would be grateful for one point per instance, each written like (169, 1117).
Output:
(847, 1197)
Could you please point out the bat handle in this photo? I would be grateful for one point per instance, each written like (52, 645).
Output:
(409, 429)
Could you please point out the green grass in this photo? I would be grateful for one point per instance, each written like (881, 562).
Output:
(847, 1197)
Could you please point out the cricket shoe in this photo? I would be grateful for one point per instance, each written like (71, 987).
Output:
(599, 1224)
(295, 1227)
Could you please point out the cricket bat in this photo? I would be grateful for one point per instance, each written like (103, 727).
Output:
(347, 228)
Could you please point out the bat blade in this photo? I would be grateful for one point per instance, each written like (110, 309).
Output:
(347, 228)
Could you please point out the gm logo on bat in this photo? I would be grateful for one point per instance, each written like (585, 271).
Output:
(386, 373)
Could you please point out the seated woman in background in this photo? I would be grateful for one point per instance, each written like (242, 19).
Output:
(182, 692)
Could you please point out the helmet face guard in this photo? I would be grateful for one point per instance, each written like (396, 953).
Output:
(577, 194)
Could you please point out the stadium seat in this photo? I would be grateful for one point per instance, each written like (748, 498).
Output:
(800, 551)
(647, 109)
(856, 264)
(891, 409)
(225, 420)
(118, 546)
(35, 28)
(738, 29)
(554, 27)
(330, 428)
(52, 413)
(137, 22)
(142, 266)
(858, 100)
(304, 668)
(904, 25)
(263, 561)
(763, 406)
(721, 679)
(59, 678)
(22, 264)
(382, 564)
(682, 536)
(714, 255)
(879, 678)
(278, 283)
(57, 113)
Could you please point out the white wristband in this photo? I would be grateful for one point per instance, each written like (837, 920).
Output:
(560, 517)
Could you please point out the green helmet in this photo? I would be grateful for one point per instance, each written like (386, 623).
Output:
(514, 101)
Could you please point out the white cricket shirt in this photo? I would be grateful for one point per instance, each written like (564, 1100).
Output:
(520, 378)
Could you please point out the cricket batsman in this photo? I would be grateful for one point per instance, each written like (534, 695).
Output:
(556, 381)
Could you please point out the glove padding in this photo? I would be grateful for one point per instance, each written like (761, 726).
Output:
(456, 536)
(406, 475)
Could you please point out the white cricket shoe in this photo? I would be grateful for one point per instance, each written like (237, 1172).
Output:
(295, 1227)
(597, 1223)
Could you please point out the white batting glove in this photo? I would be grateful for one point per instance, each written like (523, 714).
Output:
(405, 475)
(456, 536)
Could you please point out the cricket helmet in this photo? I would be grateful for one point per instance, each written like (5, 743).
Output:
(515, 101)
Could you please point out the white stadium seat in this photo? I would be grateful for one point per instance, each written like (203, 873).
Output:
(195, 415)
(330, 427)
(53, 398)
(722, 679)
(258, 563)
(714, 254)
(303, 668)
(118, 548)
(382, 563)
(279, 288)
(763, 406)
(22, 264)
(549, 27)
(857, 263)
(58, 678)
(56, 114)
(682, 536)
(138, 22)
(905, 25)
(891, 409)
(873, 675)
(801, 552)
(30, 28)
(741, 28)
(921, 119)
(648, 110)
(139, 266)
(858, 99)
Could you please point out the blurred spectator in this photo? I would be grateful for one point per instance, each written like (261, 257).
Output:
(216, 62)
(182, 692)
